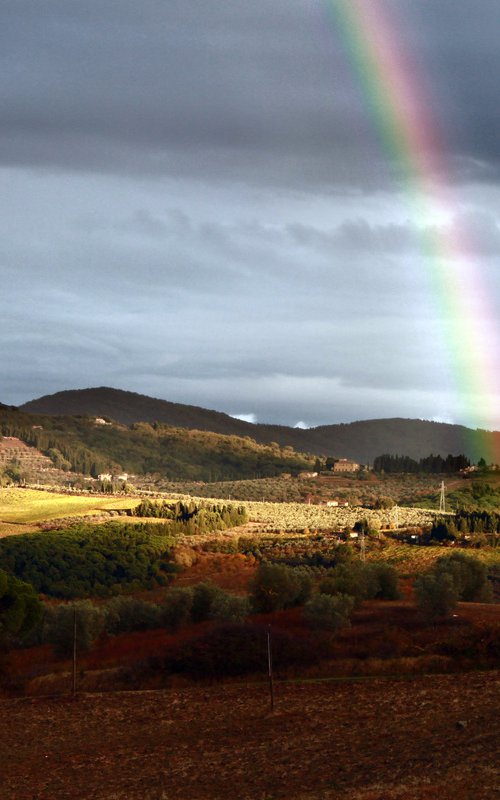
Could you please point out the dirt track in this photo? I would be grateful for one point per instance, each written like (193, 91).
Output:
(435, 737)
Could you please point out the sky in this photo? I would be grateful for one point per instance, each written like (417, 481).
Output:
(198, 205)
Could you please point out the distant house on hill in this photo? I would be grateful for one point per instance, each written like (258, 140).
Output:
(345, 465)
(101, 421)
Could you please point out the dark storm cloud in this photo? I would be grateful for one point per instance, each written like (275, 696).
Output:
(197, 204)
(255, 91)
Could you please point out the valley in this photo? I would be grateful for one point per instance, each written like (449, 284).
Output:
(149, 565)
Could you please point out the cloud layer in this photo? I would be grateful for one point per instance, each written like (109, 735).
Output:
(197, 206)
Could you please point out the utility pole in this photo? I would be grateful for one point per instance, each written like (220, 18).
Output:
(73, 692)
(362, 544)
(442, 501)
(270, 666)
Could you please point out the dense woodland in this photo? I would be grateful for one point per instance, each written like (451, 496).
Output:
(88, 560)
(80, 445)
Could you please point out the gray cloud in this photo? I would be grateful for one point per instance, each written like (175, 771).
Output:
(198, 205)
(259, 91)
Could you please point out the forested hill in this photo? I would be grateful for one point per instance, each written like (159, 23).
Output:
(362, 441)
(83, 445)
(129, 407)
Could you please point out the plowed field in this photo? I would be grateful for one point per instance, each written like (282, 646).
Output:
(430, 737)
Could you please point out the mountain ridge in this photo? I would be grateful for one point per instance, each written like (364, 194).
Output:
(361, 440)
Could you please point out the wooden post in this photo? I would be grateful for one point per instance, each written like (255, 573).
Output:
(270, 666)
(74, 653)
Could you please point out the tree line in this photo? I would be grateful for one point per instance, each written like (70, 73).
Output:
(190, 517)
(431, 464)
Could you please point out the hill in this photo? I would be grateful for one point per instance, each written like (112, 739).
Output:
(361, 441)
(130, 407)
(84, 446)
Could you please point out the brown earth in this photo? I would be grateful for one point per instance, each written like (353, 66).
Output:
(430, 737)
(231, 572)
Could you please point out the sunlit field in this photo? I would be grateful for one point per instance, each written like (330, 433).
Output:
(30, 505)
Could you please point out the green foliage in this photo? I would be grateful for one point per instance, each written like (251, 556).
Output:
(276, 586)
(228, 607)
(88, 560)
(204, 595)
(452, 578)
(59, 626)
(435, 594)
(124, 614)
(194, 518)
(329, 612)
(173, 452)
(387, 581)
(434, 464)
(355, 580)
(469, 576)
(362, 581)
(384, 502)
(20, 608)
(176, 608)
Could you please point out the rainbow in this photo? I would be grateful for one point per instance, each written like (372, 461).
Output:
(400, 108)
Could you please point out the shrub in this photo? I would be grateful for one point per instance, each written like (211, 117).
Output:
(469, 576)
(362, 581)
(58, 626)
(329, 612)
(353, 579)
(436, 594)
(387, 581)
(275, 587)
(131, 614)
(229, 607)
(20, 608)
(176, 608)
(203, 595)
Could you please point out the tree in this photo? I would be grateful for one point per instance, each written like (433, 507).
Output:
(59, 626)
(20, 608)
(469, 576)
(276, 587)
(228, 607)
(176, 607)
(435, 594)
(328, 612)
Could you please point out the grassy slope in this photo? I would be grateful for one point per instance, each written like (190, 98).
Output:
(29, 505)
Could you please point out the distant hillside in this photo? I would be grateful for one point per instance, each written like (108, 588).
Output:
(129, 407)
(362, 441)
(82, 445)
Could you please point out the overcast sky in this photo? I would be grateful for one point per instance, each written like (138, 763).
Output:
(197, 206)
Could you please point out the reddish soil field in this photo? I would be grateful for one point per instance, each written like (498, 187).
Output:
(231, 572)
(422, 739)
